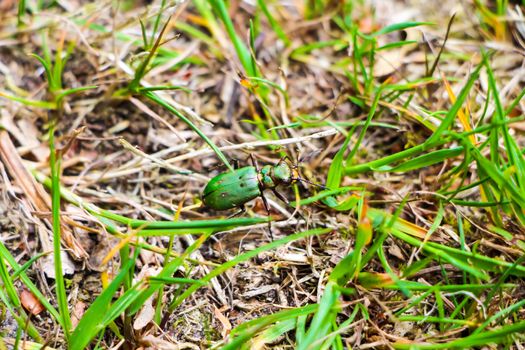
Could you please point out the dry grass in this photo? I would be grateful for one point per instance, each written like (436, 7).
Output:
(127, 154)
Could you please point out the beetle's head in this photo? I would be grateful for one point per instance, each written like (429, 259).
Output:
(283, 174)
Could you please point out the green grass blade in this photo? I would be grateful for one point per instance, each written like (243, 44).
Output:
(55, 164)
(4, 253)
(67, 92)
(424, 160)
(242, 51)
(27, 264)
(167, 272)
(8, 284)
(497, 336)
(27, 102)
(363, 131)
(47, 69)
(155, 98)
(247, 330)
(322, 320)
(400, 26)
(143, 67)
(97, 315)
(21, 12)
(273, 23)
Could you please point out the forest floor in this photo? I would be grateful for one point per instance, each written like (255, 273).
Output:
(402, 124)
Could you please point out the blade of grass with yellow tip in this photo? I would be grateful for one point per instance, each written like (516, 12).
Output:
(362, 239)
(456, 106)
(463, 115)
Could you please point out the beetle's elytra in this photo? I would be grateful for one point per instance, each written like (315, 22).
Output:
(232, 189)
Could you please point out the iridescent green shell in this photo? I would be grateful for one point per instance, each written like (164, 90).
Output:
(232, 189)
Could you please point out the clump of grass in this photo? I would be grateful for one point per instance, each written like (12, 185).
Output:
(419, 220)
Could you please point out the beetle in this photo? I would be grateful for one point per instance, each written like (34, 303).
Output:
(235, 188)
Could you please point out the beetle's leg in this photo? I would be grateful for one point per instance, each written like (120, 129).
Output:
(287, 202)
(291, 162)
(235, 163)
(280, 196)
(267, 207)
(254, 162)
(265, 202)
(242, 210)
(270, 230)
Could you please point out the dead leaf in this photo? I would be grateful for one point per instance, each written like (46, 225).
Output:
(520, 126)
(394, 250)
(156, 343)
(145, 315)
(226, 325)
(78, 312)
(34, 192)
(48, 265)
(30, 302)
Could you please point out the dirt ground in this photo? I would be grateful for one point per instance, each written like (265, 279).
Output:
(132, 157)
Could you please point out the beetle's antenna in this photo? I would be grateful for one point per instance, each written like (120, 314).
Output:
(311, 183)
(297, 177)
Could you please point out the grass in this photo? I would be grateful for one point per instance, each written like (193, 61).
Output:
(412, 124)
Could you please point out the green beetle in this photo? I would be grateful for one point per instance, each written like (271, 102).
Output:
(233, 189)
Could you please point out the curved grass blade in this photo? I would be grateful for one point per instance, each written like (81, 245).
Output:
(325, 314)
(424, 160)
(242, 51)
(27, 102)
(55, 164)
(155, 98)
(101, 312)
(453, 111)
(400, 26)
(273, 23)
(29, 284)
(248, 330)
(497, 336)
